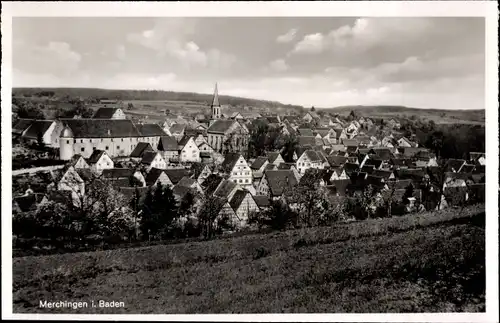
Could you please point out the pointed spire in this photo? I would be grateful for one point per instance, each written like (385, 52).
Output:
(215, 102)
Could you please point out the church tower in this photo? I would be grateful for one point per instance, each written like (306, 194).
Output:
(215, 105)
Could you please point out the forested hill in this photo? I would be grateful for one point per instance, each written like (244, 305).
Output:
(146, 95)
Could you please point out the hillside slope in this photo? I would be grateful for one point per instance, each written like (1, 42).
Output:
(416, 263)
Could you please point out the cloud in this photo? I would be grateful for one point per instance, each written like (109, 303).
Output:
(54, 57)
(288, 37)
(279, 65)
(311, 44)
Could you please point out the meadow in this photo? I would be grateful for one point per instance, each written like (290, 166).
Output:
(430, 262)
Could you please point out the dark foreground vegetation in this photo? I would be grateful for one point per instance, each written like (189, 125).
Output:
(431, 262)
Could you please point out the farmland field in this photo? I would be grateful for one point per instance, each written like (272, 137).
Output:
(431, 262)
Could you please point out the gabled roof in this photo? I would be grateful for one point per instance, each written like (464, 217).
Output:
(186, 181)
(153, 175)
(38, 127)
(221, 126)
(115, 173)
(306, 141)
(148, 157)
(314, 156)
(140, 148)
(399, 184)
(101, 128)
(225, 188)
(96, 155)
(350, 143)
(238, 198)
(105, 113)
(184, 140)
(350, 167)
(454, 164)
(150, 130)
(272, 156)
(21, 125)
(278, 180)
(385, 174)
(336, 160)
(177, 128)
(305, 132)
(368, 169)
(168, 143)
(230, 161)
(258, 163)
(373, 162)
(175, 175)
(262, 201)
(383, 153)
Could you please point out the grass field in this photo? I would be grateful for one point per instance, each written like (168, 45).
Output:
(417, 263)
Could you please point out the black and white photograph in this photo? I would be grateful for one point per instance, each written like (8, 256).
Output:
(176, 163)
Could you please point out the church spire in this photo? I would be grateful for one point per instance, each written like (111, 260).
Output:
(215, 102)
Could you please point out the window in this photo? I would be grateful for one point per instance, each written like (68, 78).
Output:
(102, 140)
(246, 181)
(117, 147)
(240, 181)
(107, 147)
(93, 148)
(111, 139)
(122, 139)
(82, 149)
(81, 141)
(67, 141)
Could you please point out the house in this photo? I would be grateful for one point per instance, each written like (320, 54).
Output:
(455, 165)
(78, 162)
(338, 173)
(68, 179)
(225, 214)
(306, 141)
(276, 182)
(150, 133)
(83, 136)
(190, 183)
(109, 113)
(45, 130)
(177, 130)
(311, 159)
(310, 116)
(139, 150)
(259, 165)
(99, 160)
(228, 136)
(238, 170)
(189, 151)
(385, 174)
(169, 148)
(156, 176)
(476, 157)
(124, 177)
(200, 172)
(336, 161)
(20, 126)
(226, 189)
(306, 132)
(243, 205)
(393, 123)
(175, 175)
(153, 159)
(405, 142)
(263, 202)
(275, 158)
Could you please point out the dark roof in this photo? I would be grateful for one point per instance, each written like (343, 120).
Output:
(364, 140)
(177, 128)
(21, 125)
(400, 184)
(373, 162)
(306, 141)
(401, 162)
(410, 152)
(96, 155)
(368, 169)
(153, 175)
(350, 143)
(184, 140)
(175, 175)
(382, 173)
(105, 113)
(180, 190)
(38, 127)
(351, 149)
(101, 128)
(140, 148)
(314, 156)
(272, 119)
(383, 153)
(225, 187)
(454, 164)
(186, 181)
(28, 202)
(238, 198)
(262, 201)
(272, 156)
(220, 126)
(168, 143)
(148, 157)
(118, 173)
(150, 130)
(258, 163)
(350, 167)
(229, 161)
(129, 192)
(286, 165)
(340, 186)
(305, 132)
(278, 180)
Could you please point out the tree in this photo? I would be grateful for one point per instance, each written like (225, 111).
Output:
(308, 197)
(26, 109)
(207, 217)
(313, 109)
(148, 223)
(130, 106)
(289, 146)
(408, 194)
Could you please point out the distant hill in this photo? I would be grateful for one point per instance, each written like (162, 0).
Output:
(439, 116)
(149, 95)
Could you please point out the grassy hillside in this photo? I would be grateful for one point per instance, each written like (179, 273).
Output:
(416, 263)
(438, 116)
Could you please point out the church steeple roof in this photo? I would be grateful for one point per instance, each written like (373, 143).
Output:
(215, 101)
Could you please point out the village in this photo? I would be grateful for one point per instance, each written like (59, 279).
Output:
(237, 168)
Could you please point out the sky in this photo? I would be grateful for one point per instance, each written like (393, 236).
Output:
(310, 61)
